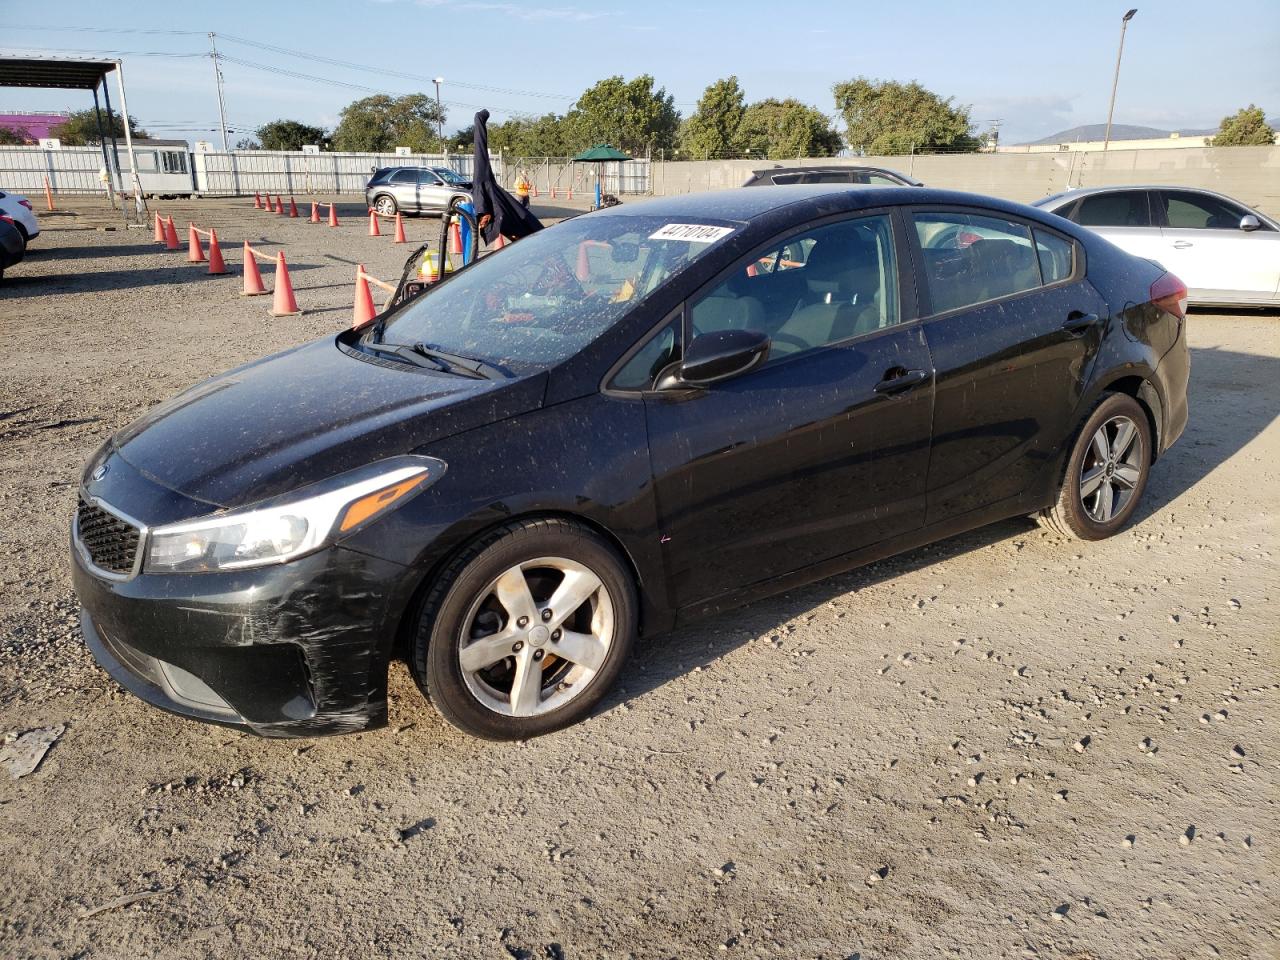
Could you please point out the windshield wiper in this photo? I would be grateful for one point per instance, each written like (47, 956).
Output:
(467, 366)
(408, 354)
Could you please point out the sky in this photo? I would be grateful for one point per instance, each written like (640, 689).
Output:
(1037, 67)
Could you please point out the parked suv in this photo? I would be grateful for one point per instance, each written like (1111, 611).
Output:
(416, 190)
(877, 176)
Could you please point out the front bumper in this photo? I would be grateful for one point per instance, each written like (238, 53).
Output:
(293, 650)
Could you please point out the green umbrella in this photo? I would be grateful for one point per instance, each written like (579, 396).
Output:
(600, 153)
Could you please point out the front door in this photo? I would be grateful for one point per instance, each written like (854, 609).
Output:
(1205, 247)
(1015, 327)
(819, 452)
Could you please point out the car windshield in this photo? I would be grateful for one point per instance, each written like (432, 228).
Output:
(544, 298)
(448, 176)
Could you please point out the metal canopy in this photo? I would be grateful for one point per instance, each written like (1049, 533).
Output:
(71, 73)
(61, 74)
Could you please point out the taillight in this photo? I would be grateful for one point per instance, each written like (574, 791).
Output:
(25, 203)
(1170, 295)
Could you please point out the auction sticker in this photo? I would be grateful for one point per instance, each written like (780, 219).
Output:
(691, 232)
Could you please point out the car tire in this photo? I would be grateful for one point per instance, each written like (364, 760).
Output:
(1106, 472)
(568, 658)
(385, 205)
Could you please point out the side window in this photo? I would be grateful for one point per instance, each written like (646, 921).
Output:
(174, 162)
(1197, 212)
(404, 176)
(881, 180)
(1127, 208)
(969, 258)
(147, 159)
(429, 179)
(821, 287)
(662, 350)
(1055, 256)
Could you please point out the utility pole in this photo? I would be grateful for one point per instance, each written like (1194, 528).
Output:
(439, 110)
(217, 79)
(1124, 23)
(995, 133)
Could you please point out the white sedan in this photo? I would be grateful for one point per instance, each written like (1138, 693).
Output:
(18, 207)
(1225, 252)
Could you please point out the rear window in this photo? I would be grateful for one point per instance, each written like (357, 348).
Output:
(971, 259)
(1127, 208)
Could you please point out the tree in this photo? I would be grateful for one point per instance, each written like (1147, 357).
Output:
(288, 135)
(15, 136)
(1246, 127)
(713, 130)
(248, 143)
(778, 129)
(631, 116)
(81, 127)
(531, 136)
(380, 123)
(886, 117)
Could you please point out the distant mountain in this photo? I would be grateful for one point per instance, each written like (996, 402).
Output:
(1119, 131)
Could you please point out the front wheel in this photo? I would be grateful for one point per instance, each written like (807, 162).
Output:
(1106, 472)
(526, 630)
(385, 206)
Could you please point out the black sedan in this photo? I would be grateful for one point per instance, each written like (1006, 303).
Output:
(13, 246)
(626, 421)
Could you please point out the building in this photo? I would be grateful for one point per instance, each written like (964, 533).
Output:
(33, 126)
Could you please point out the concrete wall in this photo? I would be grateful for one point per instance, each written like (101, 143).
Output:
(1250, 174)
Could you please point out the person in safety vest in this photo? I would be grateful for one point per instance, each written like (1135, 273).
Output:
(522, 189)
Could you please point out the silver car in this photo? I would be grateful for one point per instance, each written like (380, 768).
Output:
(416, 190)
(1225, 252)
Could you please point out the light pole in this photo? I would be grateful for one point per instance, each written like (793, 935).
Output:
(1124, 24)
(439, 111)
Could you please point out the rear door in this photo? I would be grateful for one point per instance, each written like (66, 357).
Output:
(1013, 328)
(1205, 247)
(1123, 217)
(819, 452)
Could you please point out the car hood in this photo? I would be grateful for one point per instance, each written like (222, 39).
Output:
(304, 415)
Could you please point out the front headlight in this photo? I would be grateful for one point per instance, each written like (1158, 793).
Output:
(287, 527)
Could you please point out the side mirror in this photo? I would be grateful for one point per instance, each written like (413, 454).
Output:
(717, 356)
(1249, 223)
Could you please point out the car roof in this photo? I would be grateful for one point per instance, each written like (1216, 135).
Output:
(1076, 192)
(745, 205)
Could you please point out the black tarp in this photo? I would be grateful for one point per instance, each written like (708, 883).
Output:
(509, 217)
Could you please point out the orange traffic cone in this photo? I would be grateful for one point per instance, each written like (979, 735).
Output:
(455, 239)
(315, 212)
(293, 209)
(570, 191)
(216, 265)
(284, 304)
(170, 235)
(535, 190)
(195, 251)
(159, 234)
(257, 200)
(553, 193)
(400, 237)
(333, 214)
(373, 225)
(252, 276)
(364, 310)
(48, 195)
(279, 206)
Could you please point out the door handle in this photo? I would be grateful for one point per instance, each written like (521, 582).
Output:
(1183, 244)
(897, 380)
(1079, 323)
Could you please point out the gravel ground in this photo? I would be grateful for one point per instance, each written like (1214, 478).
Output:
(1003, 745)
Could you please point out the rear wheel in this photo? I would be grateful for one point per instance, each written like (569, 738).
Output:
(385, 206)
(526, 630)
(1106, 472)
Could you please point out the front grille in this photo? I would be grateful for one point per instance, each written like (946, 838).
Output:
(112, 544)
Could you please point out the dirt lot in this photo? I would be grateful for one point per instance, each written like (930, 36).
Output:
(1004, 745)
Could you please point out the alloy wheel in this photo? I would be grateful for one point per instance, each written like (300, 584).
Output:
(535, 637)
(385, 206)
(1112, 469)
